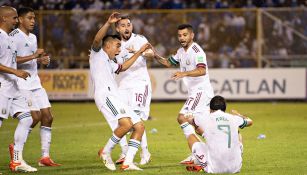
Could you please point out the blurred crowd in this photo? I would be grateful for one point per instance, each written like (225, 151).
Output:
(229, 38)
(150, 4)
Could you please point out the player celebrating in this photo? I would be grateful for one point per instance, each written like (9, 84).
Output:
(107, 97)
(27, 57)
(222, 152)
(194, 71)
(11, 101)
(138, 93)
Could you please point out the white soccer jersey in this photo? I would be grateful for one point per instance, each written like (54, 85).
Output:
(138, 71)
(103, 76)
(27, 45)
(189, 60)
(222, 140)
(8, 84)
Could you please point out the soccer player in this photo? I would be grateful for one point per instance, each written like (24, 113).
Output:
(11, 101)
(27, 57)
(138, 93)
(107, 97)
(195, 75)
(222, 152)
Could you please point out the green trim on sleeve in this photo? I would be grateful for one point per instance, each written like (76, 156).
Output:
(173, 61)
(244, 124)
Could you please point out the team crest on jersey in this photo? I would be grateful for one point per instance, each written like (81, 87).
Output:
(30, 103)
(8, 47)
(188, 62)
(27, 45)
(3, 111)
(122, 111)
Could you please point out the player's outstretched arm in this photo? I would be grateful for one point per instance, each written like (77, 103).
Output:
(199, 71)
(37, 54)
(160, 59)
(113, 18)
(18, 73)
(131, 60)
(249, 121)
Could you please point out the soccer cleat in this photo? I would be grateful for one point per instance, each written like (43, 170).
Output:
(121, 159)
(107, 160)
(130, 167)
(145, 158)
(21, 167)
(11, 150)
(194, 168)
(189, 160)
(47, 161)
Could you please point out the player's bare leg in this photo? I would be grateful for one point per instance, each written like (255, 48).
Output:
(45, 132)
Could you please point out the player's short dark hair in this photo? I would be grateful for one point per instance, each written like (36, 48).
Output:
(24, 10)
(218, 103)
(185, 26)
(108, 38)
(124, 16)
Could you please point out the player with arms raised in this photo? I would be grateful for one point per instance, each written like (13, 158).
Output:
(107, 97)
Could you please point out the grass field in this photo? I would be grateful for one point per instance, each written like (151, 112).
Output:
(80, 130)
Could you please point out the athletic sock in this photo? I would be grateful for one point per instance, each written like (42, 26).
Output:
(45, 133)
(133, 146)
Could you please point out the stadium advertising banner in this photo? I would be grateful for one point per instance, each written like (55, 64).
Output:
(66, 84)
(237, 84)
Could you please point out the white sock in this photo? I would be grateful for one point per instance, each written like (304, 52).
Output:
(111, 144)
(133, 146)
(45, 140)
(187, 129)
(21, 134)
(144, 144)
(124, 145)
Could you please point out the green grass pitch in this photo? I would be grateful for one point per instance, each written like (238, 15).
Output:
(80, 130)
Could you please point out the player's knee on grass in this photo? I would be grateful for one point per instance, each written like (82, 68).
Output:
(181, 119)
(46, 118)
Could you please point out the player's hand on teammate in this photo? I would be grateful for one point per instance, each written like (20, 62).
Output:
(178, 75)
(114, 17)
(22, 74)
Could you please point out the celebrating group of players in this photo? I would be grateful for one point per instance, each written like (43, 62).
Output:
(125, 102)
(123, 99)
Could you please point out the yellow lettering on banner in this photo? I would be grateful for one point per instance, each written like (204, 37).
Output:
(65, 81)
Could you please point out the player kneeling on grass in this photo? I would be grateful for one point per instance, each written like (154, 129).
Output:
(106, 94)
(222, 152)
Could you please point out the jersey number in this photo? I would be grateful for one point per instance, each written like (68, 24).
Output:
(226, 129)
(139, 97)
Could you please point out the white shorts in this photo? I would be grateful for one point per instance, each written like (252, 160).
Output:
(114, 109)
(11, 106)
(202, 154)
(197, 102)
(139, 99)
(37, 99)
